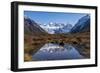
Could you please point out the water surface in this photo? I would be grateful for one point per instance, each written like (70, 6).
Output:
(51, 51)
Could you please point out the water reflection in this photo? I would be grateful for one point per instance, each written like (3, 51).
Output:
(51, 51)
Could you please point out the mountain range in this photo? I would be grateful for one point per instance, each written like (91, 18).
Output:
(32, 27)
(55, 28)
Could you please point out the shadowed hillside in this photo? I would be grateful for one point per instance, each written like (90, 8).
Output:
(83, 25)
(31, 27)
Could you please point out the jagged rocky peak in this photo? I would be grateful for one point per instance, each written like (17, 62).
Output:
(55, 27)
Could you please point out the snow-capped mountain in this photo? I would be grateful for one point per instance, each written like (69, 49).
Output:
(64, 29)
(54, 28)
(82, 25)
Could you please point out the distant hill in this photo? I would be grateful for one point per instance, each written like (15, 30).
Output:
(31, 27)
(83, 25)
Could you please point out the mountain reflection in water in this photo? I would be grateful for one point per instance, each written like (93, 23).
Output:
(51, 51)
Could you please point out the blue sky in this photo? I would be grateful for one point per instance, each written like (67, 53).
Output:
(55, 17)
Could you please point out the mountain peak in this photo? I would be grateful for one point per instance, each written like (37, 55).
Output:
(51, 23)
(82, 25)
(26, 17)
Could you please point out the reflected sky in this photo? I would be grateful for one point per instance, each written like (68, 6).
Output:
(56, 52)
